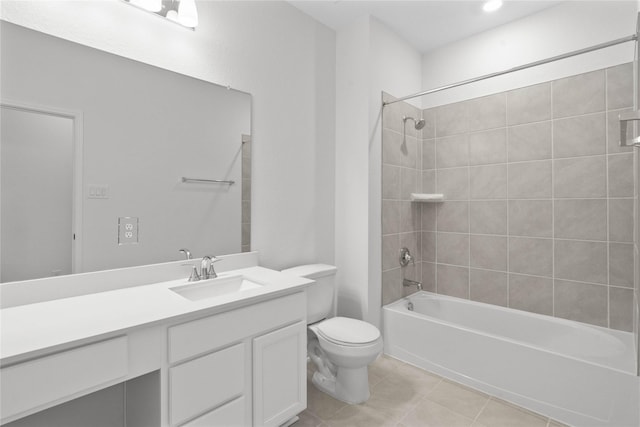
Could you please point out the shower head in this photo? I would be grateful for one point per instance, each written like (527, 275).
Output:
(419, 124)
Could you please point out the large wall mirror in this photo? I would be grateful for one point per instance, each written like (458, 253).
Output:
(94, 148)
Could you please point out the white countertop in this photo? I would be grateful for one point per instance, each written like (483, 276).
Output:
(31, 330)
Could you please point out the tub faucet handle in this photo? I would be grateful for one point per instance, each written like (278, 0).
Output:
(406, 257)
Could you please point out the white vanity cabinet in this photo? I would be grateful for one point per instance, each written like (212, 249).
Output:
(146, 356)
(242, 367)
(279, 388)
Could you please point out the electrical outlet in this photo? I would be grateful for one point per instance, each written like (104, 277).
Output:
(127, 230)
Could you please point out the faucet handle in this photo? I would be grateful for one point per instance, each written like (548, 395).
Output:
(212, 272)
(194, 277)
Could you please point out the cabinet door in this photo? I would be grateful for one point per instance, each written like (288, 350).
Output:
(279, 375)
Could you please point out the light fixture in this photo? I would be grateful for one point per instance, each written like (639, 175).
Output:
(183, 12)
(492, 5)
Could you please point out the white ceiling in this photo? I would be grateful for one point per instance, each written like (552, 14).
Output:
(426, 24)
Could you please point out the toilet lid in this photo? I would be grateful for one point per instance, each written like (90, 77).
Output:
(349, 331)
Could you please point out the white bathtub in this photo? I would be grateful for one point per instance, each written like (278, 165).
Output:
(579, 374)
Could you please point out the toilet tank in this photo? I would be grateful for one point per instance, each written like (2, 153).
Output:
(320, 294)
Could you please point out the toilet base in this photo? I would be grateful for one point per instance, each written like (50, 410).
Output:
(350, 385)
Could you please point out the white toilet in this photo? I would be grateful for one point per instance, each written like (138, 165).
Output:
(340, 347)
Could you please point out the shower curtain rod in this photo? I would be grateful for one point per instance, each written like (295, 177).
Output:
(630, 38)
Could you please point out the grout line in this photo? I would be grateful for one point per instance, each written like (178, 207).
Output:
(506, 113)
(606, 177)
(553, 207)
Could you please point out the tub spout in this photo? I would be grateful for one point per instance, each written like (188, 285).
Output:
(408, 282)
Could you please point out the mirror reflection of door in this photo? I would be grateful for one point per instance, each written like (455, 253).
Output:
(36, 165)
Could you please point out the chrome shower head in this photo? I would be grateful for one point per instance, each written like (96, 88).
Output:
(418, 124)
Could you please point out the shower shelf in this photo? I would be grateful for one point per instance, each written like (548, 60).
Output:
(427, 197)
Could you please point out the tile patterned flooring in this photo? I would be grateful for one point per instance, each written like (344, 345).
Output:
(405, 396)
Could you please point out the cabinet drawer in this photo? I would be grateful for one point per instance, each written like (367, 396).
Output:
(206, 382)
(203, 335)
(230, 415)
(48, 379)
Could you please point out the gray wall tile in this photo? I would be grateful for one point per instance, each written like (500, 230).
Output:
(530, 293)
(488, 217)
(428, 243)
(583, 177)
(579, 136)
(409, 152)
(489, 287)
(529, 142)
(391, 147)
(488, 252)
(429, 129)
(532, 218)
(488, 182)
(581, 219)
(621, 309)
(531, 256)
(428, 154)
(621, 264)
(620, 86)
(487, 112)
(452, 151)
(390, 216)
(621, 220)
(428, 216)
(453, 281)
(488, 147)
(428, 276)
(410, 216)
(428, 184)
(530, 180)
(583, 302)
(592, 241)
(390, 182)
(391, 286)
(390, 251)
(408, 183)
(452, 119)
(580, 260)
(529, 104)
(453, 183)
(453, 216)
(453, 248)
(621, 175)
(580, 94)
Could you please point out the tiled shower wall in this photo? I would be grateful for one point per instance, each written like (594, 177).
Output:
(538, 213)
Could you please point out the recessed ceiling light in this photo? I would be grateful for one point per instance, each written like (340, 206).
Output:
(492, 5)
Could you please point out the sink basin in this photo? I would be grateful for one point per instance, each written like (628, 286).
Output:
(211, 288)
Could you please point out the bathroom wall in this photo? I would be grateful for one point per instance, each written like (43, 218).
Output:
(370, 59)
(569, 26)
(539, 200)
(284, 58)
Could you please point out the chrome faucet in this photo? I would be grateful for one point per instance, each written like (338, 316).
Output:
(408, 282)
(186, 253)
(207, 271)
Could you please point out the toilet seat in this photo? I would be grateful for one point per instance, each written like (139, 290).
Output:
(348, 332)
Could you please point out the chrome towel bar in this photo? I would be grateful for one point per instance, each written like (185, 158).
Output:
(208, 181)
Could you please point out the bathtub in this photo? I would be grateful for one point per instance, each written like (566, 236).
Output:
(575, 373)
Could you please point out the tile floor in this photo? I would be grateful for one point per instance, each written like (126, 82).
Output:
(405, 396)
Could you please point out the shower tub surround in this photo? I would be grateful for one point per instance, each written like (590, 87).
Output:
(578, 374)
(538, 210)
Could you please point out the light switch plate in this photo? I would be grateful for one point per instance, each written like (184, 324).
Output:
(98, 191)
(127, 230)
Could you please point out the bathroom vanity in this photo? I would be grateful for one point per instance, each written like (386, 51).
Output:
(226, 351)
